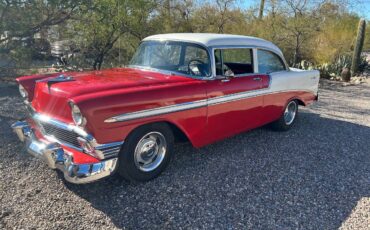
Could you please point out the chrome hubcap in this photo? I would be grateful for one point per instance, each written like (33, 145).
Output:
(290, 112)
(150, 151)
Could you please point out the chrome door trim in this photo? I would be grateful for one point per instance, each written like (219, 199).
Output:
(158, 111)
(194, 104)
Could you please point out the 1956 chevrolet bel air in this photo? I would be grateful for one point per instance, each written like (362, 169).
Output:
(196, 87)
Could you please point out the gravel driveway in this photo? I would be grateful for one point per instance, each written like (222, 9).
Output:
(316, 176)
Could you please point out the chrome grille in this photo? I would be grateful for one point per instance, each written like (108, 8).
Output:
(60, 134)
(67, 135)
(111, 151)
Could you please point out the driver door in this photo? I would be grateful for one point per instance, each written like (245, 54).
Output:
(234, 104)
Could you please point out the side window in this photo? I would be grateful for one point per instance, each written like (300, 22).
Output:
(218, 61)
(197, 60)
(238, 61)
(194, 53)
(269, 62)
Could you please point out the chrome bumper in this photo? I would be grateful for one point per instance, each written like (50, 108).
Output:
(56, 158)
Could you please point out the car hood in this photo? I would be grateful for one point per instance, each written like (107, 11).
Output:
(80, 83)
(51, 94)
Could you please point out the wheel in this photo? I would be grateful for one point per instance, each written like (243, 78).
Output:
(288, 118)
(146, 152)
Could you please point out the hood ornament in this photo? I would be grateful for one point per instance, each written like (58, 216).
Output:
(58, 79)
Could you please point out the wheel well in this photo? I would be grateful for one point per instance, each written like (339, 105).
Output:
(179, 135)
(300, 102)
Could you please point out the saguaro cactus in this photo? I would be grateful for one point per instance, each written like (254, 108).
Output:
(358, 46)
(262, 6)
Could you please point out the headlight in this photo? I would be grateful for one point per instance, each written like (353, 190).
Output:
(23, 91)
(77, 116)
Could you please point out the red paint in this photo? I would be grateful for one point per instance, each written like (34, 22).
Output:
(274, 104)
(229, 118)
(28, 82)
(103, 94)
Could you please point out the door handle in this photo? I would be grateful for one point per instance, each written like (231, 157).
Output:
(257, 79)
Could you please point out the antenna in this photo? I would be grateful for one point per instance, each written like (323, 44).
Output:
(119, 38)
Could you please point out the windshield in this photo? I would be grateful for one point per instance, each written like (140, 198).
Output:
(180, 57)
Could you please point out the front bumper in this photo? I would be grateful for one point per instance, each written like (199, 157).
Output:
(56, 157)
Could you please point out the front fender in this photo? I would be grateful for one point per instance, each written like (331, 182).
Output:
(100, 107)
(29, 82)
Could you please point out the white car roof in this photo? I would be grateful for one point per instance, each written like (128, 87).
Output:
(209, 40)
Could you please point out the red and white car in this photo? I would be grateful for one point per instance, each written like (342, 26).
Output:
(196, 87)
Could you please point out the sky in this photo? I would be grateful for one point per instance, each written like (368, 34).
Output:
(361, 7)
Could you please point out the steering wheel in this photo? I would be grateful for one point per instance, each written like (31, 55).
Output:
(193, 68)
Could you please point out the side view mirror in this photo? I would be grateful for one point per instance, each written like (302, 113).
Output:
(226, 77)
(229, 74)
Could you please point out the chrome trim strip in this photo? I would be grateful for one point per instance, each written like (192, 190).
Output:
(194, 105)
(158, 111)
(109, 150)
(235, 97)
(110, 145)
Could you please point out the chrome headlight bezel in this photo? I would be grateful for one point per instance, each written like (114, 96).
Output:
(23, 92)
(77, 116)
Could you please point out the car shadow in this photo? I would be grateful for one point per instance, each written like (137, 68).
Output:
(310, 177)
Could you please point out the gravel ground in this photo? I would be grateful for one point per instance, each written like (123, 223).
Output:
(316, 176)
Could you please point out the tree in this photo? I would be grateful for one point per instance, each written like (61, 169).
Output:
(102, 24)
(300, 26)
(24, 19)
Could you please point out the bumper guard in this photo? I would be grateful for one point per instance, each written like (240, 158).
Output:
(56, 158)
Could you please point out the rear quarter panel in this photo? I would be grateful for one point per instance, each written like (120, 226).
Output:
(288, 85)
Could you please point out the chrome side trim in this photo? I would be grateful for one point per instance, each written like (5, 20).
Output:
(109, 150)
(194, 105)
(158, 111)
(235, 97)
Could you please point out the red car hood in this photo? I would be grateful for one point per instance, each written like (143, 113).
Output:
(53, 98)
(96, 81)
